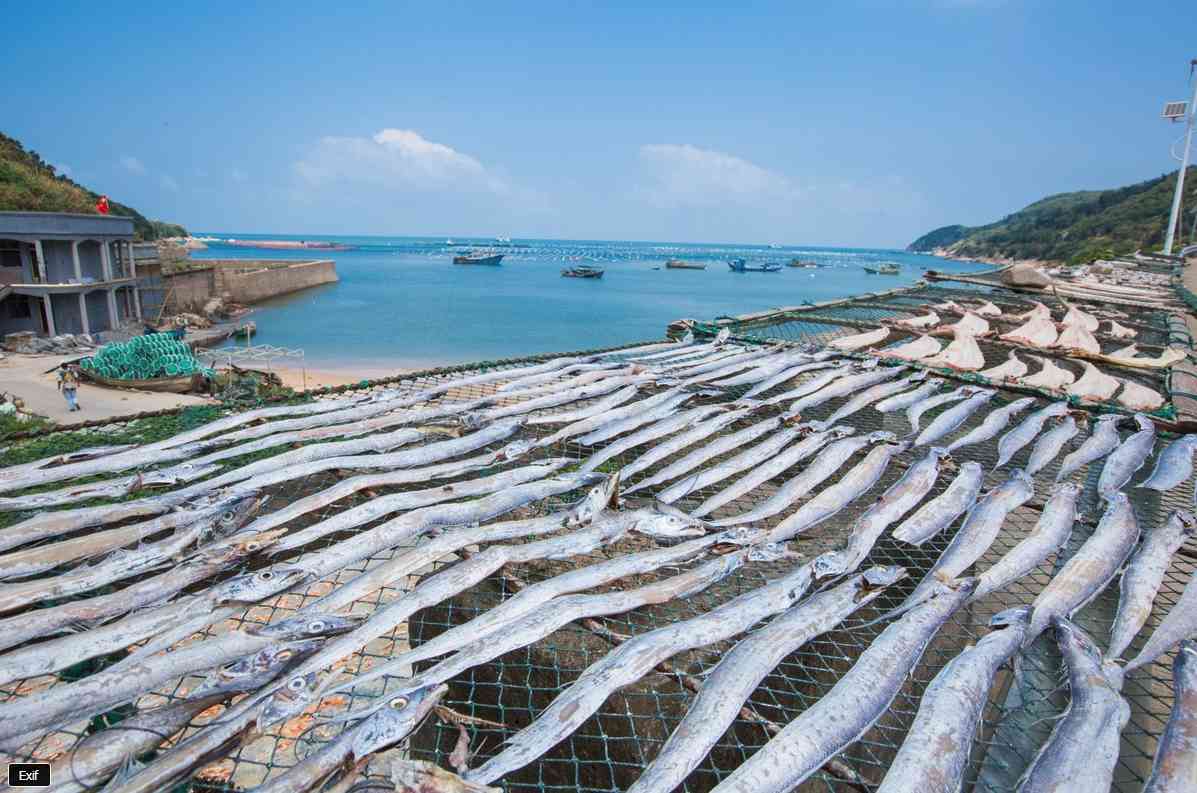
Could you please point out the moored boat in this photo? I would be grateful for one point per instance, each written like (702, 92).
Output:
(678, 264)
(473, 257)
(742, 266)
(885, 268)
(582, 271)
(802, 263)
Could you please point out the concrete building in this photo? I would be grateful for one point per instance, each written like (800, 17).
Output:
(66, 273)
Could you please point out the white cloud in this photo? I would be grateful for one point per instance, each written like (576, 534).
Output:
(132, 164)
(395, 158)
(681, 174)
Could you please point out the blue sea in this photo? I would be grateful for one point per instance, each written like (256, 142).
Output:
(402, 303)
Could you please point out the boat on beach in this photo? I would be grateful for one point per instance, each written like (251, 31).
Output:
(678, 264)
(582, 271)
(885, 268)
(474, 257)
(742, 266)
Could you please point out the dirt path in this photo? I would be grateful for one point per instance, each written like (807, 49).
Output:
(23, 376)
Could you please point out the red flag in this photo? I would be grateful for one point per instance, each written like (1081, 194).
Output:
(102, 205)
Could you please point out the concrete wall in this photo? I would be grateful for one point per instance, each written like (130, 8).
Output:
(22, 274)
(90, 263)
(97, 311)
(188, 290)
(251, 282)
(10, 324)
(60, 264)
(66, 314)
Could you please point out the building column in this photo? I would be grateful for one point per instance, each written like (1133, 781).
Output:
(83, 310)
(105, 262)
(132, 266)
(113, 319)
(137, 303)
(48, 305)
(41, 260)
(75, 257)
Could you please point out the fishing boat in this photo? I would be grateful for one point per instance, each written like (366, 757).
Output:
(885, 268)
(802, 263)
(678, 264)
(582, 271)
(742, 266)
(474, 257)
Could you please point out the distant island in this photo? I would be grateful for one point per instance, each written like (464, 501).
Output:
(30, 184)
(1070, 227)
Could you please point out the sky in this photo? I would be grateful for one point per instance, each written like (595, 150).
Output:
(859, 123)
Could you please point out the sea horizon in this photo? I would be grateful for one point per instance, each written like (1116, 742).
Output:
(401, 303)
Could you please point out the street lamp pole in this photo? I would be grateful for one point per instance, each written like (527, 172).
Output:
(1184, 166)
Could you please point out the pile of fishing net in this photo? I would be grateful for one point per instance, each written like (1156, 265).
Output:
(144, 358)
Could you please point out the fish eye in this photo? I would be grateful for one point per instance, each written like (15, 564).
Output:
(266, 575)
(296, 684)
(399, 703)
(285, 654)
(316, 625)
(253, 546)
(228, 515)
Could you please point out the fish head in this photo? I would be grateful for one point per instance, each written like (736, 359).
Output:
(249, 542)
(1081, 653)
(294, 697)
(868, 363)
(1144, 421)
(1017, 618)
(306, 626)
(741, 536)
(236, 512)
(917, 377)
(472, 421)
(516, 449)
(252, 587)
(1020, 477)
(880, 577)
(843, 431)
(602, 497)
(722, 336)
(1071, 488)
(830, 564)
(669, 523)
(1187, 521)
(1186, 658)
(400, 716)
(768, 552)
(419, 776)
(882, 436)
(256, 670)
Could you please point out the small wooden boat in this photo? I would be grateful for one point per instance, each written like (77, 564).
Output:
(884, 268)
(472, 257)
(171, 385)
(582, 271)
(678, 264)
(802, 263)
(742, 266)
(245, 331)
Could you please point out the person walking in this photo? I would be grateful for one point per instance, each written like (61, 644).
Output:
(68, 384)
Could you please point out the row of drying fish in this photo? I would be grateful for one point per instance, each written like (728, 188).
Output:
(510, 493)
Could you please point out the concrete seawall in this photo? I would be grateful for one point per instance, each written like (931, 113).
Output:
(254, 281)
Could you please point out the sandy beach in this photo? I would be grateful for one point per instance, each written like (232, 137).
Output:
(301, 379)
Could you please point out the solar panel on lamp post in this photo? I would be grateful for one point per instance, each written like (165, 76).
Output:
(1175, 111)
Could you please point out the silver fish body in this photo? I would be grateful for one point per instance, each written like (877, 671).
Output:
(1123, 462)
(752, 456)
(664, 410)
(721, 445)
(934, 755)
(1049, 445)
(994, 423)
(772, 467)
(606, 418)
(980, 529)
(1083, 748)
(1174, 465)
(855, 483)
(1102, 440)
(915, 412)
(899, 499)
(862, 695)
(1014, 440)
(682, 440)
(905, 399)
(609, 402)
(1175, 767)
(827, 463)
(1094, 565)
(1142, 578)
(789, 373)
(1178, 624)
(739, 672)
(939, 513)
(808, 386)
(950, 420)
(869, 396)
(658, 429)
(1050, 534)
(842, 387)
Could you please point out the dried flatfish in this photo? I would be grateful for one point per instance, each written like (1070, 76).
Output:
(929, 320)
(1036, 332)
(1094, 385)
(859, 340)
(1077, 337)
(962, 354)
(987, 309)
(1121, 331)
(922, 347)
(1077, 317)
(1051, 377)
(970, 323)
(1012, 369)
(1039, 311)
(1139, 397)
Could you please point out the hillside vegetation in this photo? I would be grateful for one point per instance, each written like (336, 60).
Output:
(1073, 227)
(28, 183)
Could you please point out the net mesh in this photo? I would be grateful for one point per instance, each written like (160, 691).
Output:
(611, 748)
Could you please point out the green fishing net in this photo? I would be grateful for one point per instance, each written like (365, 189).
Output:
(144, 358)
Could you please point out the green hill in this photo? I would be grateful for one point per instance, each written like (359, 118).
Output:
(28, 183)
(1073, 226)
